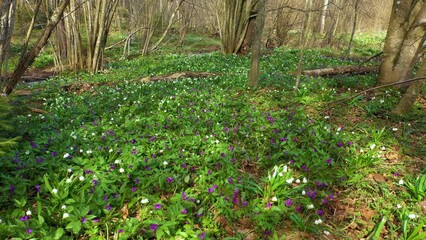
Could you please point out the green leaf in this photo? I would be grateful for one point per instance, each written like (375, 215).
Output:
(59, 232)
(74, 226)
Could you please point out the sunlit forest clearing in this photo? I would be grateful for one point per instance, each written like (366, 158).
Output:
(171, 121)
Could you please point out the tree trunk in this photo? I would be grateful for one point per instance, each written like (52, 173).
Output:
(323, 16)
(303, 40)
(7, 20)
(406, 103)
(29, 57)
(257, 44)
(233, 18)
(354, 23)
(403, 40)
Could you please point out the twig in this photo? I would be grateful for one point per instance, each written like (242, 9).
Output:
(371, 58)
(378, 87)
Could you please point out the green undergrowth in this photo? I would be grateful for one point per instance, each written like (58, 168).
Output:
(209, 158)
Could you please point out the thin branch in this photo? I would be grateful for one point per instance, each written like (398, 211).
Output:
(378, 87)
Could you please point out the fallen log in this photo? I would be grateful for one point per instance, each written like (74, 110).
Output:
(353, 70)
(174, 76)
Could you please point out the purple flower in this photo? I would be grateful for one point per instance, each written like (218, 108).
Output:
(222, 155)
(157, 206)
(328, 161)
(134, 189)
(184, 211)
(83, 220)
(244, 203)
(120, 230)
(320, 212)
(202, 235)
(340, 144)
(169, 180)
(288, 202)
(54, 154)
(95, 182)
(96, 220)
(298, 208)
(105, 198)
(134, 151)
(230, 181)
(269, 205)
(33, 144)
(37, 187)
(137, 180)
(184, 196)
(24, 218)
(29, 231)
(108, 207)
(267, 232)
(12, 189)
(154, 227)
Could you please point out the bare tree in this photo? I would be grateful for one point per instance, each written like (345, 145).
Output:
(7, 20)
(28, 58)
(233, 17)
(404, 40)
(257, 43)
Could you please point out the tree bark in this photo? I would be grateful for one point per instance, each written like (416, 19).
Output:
(257, 44)
(406, 103)
(7, 20)
(233, 17)
(303, 41)
(403, 41)
(341, 70)
(29, 57)
(323, 16)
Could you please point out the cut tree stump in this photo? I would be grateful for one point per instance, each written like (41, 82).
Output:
(352, 70)
(174, 76)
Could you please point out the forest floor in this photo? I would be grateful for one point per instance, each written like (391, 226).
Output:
(144, 149)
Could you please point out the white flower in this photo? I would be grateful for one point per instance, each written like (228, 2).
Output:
(339, 129)
(27, 152)
(1, 220)
(198, 201)
(412, 215)
(318, 221)
(69, 170)
(89, 151)
(310, 206)
(144, 201)
(382, 101)
(121, 170)
(63, 207)
(65, 215)
(303, 192)
(305, 180)
(55, 191)
(361, 150)
(117, 161)
(394, 129)
(289, 181)
(398, 206)
(383, 148)
(285, 168)
(280, 174)
(326, 232)
(81, 178)
(69, 180)
(274, 199)
(66, 155)
(28, 213)
(401, 182)
(372, 146)
(165, 163)
(111, 150)
(297, 181)
(81, 150)
(326, 117)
